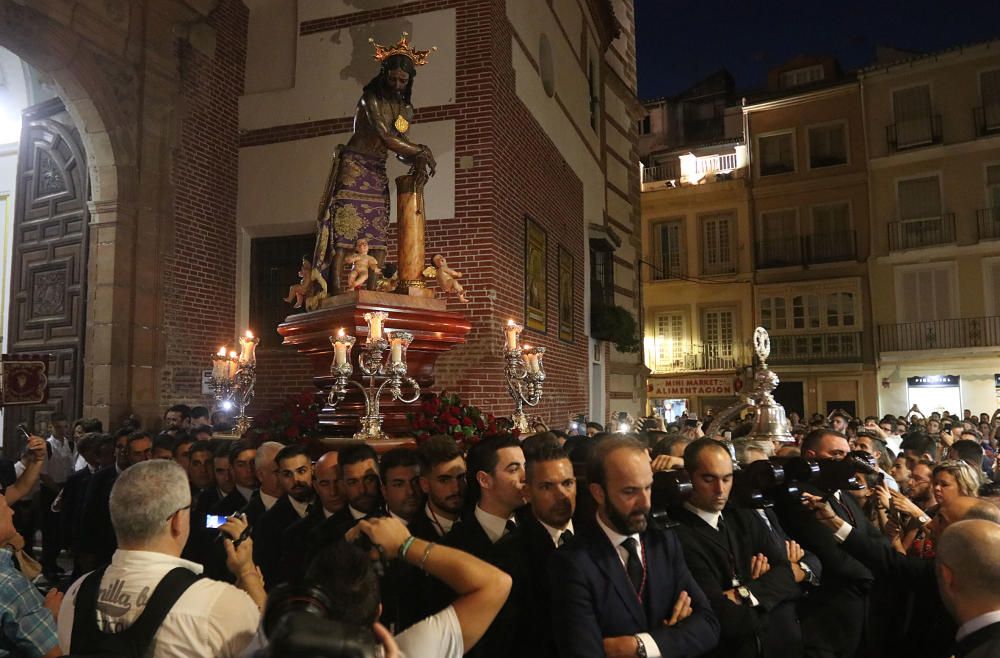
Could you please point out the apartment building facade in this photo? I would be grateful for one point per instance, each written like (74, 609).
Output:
(810, 224)
(696, 263)
(933, 125)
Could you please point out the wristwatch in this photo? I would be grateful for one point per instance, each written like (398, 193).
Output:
(923, 519)
(743, 592)
(640, 648)
(810, 576)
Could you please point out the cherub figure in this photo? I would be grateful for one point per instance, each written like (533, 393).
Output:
(446, 277)
(360, 263)
(308, 275)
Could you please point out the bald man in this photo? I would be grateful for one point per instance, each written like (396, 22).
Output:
(968, 571)
(330, 494)
(930, 631)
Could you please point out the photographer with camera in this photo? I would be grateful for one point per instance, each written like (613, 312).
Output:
(743, 570)
(337, 611)
(843, 593)
(149, 601)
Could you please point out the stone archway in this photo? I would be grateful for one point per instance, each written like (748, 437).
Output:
(101, 95)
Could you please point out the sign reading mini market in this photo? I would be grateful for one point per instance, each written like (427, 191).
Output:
(686, 387)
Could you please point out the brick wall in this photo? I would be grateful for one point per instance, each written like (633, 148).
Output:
(199, 302)
(517, 172)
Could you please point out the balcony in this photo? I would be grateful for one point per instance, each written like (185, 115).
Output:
(917, 233)
(987, 119)
(830, 247)
(807, 349)
(988, 220)
(670, 170)
(699, 357)
(778, 252)
(807, 250)
(913, 133)
(940, 334)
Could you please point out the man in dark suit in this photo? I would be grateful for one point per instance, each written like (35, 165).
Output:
(98, 542)
(442, 479)
(204, 495)
(244, 477)
(622, 587)
(489, 530)
(269, 491)
(358, 469)
(968, 567)
(295, 472)
(843, 593)
(743, 571)
(329, 495)
(550, 488)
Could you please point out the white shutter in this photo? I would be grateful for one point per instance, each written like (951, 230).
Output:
(912, 111)
(919, 198)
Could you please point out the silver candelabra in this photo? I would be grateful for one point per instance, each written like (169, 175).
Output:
(373, 363)
(523, 372)
(234, 377)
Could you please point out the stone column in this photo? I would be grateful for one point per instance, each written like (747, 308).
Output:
(410, 222)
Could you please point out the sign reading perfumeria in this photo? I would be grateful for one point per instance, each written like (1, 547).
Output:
(683, 387)
(932, 381)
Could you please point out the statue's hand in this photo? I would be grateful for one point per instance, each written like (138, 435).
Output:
(426, 157)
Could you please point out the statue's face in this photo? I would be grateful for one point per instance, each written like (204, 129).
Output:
(396, 81)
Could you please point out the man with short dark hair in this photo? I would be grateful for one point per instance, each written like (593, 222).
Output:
(358, 469)
(839, 420)
(200, 463)
(295, 472)
(843, 593)
(742, 569)
(916, 446)
(622, 587)
(550, 488)
(969, 451)
(177, 419)
(201, 416)
(400, 474)
(443, 480)
(244, 478)
(163, 447)
(330, 499)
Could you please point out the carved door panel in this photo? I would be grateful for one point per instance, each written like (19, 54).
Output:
(49, 258)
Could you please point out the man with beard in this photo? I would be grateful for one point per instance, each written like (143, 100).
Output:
(400, 469)
(623, 588)
(326, 483)
(442, 479)
(490, 531)
(742, 569)
(295, 473)
(551, 492)
(357, 466)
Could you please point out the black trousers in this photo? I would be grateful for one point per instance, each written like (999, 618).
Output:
(51, 531)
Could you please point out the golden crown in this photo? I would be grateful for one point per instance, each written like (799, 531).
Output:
(402, 47)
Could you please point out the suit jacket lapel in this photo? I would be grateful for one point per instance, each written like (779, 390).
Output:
(606, 557)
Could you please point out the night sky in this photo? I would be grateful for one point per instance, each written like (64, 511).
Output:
(681, 41)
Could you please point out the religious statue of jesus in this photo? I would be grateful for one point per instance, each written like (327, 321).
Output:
(355, 205)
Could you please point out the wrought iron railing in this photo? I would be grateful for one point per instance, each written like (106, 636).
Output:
(696, 357)
(927, 232)
(940, 334)
(987, 119)
(914, 133)
(988, 221)
(810, 249)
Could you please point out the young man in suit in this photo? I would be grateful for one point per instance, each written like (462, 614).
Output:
(295, 471)
(443, 481)
(269, 491)
(743, 571)
(622, 587)
(489, 530)
(358, 469)
(968, 568)
(326, 484)
(244, 477)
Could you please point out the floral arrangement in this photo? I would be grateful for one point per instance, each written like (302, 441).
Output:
(295, 421)
(445, 413)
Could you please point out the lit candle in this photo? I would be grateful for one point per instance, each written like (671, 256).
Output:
(530, 359)
(396, 351)
(375, 321)
(248, 345)
(340, 347)
(233, 364)
(511, 331)
(220, 367)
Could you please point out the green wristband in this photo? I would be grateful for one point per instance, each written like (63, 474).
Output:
(405, 546)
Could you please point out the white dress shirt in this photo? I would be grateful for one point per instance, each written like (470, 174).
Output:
(61, 463)
(442, 524)
(357, 515)
(246, 492)
(393, 515)
(211, 618)
(300, 508)
(495, 526)
(268, 500)
(712, 519)
(616, 539)
(976, 623)
(556, 533)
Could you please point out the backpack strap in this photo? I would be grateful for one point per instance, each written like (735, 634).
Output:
(137, 638)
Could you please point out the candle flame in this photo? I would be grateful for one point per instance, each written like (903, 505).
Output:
(249, 334)
(222, 351)
(526, 347)
(510, 323)
(233, 355)
(340, 332)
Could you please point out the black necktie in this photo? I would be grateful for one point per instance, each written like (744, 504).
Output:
(565, 536)
(510, 527)
(721, 525)
(634, 564)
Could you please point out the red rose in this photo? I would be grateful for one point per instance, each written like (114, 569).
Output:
(307, 398)
(452, 420)
(292, 432)
(467, 421)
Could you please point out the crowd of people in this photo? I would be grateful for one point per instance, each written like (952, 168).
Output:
(663, 541)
